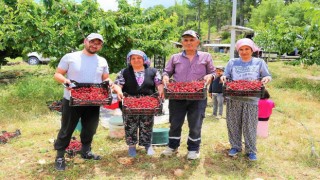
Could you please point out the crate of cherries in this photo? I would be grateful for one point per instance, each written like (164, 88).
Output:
(195, 90)
(245, 88)
(141, 105)
(90, 94)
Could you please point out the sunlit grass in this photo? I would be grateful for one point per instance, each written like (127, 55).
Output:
(285, 154)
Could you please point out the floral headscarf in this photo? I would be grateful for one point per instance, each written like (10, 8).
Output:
(146, 60)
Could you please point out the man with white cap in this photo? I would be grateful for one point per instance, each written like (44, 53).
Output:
(187, 66)
(83, 67)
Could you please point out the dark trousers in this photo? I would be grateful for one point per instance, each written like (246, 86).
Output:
(195, 111)
(70, 117)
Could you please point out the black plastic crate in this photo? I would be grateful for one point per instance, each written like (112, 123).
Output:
(81, 102)
(249, 93)
(140, 111)
(199, 95)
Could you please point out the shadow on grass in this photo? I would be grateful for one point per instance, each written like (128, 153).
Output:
(220, 163)
(143, 166)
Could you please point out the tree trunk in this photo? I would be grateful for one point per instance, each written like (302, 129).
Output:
(241, 19)
(199, 19)
(209, 19)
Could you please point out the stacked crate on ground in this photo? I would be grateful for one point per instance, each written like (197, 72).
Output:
(55, 105)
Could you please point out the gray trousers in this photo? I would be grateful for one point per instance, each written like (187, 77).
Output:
(242, 117)
(217, 103)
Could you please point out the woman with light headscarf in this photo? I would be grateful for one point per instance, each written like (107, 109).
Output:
(138, 79)
(242, 112)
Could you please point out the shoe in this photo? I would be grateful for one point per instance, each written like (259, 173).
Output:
(90, 155)
(218, 117)
(60, 164)
(233, 152)
(169, 151)
(132, 152)
(150, 151)
(192, 155)
(252, 156)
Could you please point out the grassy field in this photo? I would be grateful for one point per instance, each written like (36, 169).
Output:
(290, 152)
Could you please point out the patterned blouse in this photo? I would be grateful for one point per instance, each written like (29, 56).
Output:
(139, 77)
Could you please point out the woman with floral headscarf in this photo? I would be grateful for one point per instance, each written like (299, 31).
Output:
(242, 112)
(138, 79)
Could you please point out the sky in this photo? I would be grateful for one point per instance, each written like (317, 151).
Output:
(113, 4)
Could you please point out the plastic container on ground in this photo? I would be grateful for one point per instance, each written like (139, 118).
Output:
(262, 129)
(163, 118)
(79, 126)
(116, 127)
(107, 111)
(107, 114)
(160, 136)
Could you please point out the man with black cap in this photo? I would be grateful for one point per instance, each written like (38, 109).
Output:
(187, 66)
(84, 67)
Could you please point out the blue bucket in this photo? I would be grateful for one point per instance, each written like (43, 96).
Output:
(79, 126)
(160, 136)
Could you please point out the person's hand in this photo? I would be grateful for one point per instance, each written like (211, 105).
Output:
(117, 89)
(67, 84)
(120, 96)
(210, 95)
(208, 78)
(266, 79)
(165, 79)
(161, 91)
(223, 79)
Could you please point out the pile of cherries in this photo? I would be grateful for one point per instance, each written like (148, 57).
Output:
(89, 93)
(244, 85)
(194, 86)
(142, 102)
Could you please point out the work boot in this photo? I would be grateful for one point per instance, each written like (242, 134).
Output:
(192, 155)
(60, 164)
(90, 155)
(169, 151)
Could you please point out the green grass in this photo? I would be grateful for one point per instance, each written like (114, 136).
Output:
(285, 154)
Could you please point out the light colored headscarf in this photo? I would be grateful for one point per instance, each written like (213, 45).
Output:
(146, 60)
(246, 42)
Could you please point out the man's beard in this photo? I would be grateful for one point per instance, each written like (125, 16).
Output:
(91, 52)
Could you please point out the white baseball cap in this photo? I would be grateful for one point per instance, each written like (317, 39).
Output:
(95, 36)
